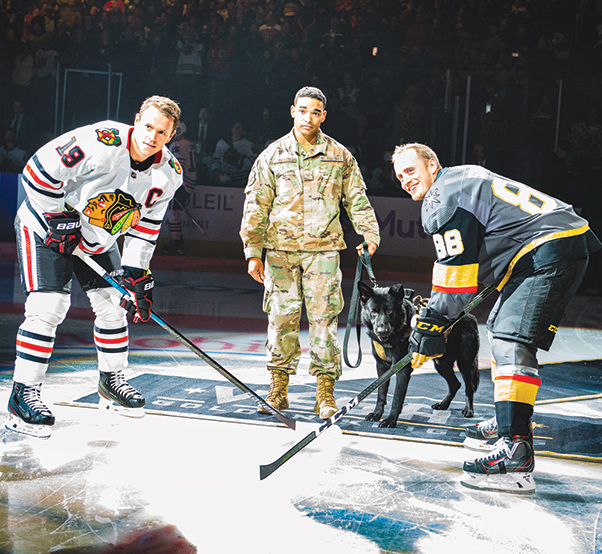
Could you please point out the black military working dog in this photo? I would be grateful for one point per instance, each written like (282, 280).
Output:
(387, 313)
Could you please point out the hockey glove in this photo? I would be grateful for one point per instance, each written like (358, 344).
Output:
(139, 283)
(427, 340)
(64, 231)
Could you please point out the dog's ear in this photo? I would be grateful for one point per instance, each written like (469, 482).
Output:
(365, 292)
(397, 291)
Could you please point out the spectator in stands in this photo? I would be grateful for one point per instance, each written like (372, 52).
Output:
(585, 137)
(23, 125)
(12, 158)
(204, 141)
(110, 4)
(409, 117)
(479, 155)
(233, 158)
(23, 71)
(183, 150)
(349, 96)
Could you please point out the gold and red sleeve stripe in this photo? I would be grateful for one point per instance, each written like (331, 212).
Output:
(455, 279)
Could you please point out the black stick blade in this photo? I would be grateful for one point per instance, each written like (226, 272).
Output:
(268, 469)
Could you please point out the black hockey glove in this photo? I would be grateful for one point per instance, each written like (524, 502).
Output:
(139, 283)
(427, 340)
(64, 231)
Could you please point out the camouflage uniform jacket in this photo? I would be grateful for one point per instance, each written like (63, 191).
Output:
(293, 198)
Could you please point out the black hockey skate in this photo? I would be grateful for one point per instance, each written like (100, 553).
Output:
(28, 415)
(174, 248)
(118, 395)
(482, 436)
(508, 468)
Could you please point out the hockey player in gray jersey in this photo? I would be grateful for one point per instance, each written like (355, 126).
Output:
(86, 189)
(534, 249)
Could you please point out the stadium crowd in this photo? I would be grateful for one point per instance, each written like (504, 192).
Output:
(392, 70)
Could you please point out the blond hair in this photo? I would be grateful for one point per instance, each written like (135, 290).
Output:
(166, 106)
(422, 150)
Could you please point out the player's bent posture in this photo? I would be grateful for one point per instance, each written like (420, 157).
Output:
(534, 248)
(87, 188)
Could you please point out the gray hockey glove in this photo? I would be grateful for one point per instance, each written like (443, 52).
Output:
(64, 231)
(427, 340)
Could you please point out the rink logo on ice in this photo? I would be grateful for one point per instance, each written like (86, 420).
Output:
(211, 399)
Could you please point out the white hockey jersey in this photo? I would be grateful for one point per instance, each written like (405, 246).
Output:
(89, 169)
(184, 152)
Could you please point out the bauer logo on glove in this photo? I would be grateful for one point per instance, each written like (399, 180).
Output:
(64, 231)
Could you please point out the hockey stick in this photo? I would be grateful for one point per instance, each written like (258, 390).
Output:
(268, 469)
(95, 266)
(200, 228)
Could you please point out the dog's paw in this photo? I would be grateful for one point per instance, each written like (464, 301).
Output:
(467, 412)
(388, 423)
(440, 406)
(374, 416)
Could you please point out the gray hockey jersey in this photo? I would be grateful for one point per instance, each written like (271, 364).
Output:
(483, 224)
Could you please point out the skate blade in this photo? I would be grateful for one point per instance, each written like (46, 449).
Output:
(514, 483)
(478, 445)
(17, 425)
(110, 406)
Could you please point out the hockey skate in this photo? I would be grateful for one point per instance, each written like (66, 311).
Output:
(507, 468)
(482, 436)
(174, 248)
(117, 395)
(28, 415)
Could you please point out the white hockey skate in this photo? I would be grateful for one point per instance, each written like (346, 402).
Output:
(508, 468)
(118, 396)
(28, 415)
(482, 436)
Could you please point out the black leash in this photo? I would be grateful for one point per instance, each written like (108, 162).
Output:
(355, 307)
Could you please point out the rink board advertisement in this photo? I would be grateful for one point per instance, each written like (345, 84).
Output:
(219, 211)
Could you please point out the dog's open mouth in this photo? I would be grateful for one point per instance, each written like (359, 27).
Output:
(383, 337)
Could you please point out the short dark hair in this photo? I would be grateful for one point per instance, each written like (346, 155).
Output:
(310, 92)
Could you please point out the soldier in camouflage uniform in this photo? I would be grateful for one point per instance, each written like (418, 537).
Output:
(292, 210)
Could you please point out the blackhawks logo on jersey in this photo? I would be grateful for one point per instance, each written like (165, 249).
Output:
(176, 165)
(115, 212)
(109, 137)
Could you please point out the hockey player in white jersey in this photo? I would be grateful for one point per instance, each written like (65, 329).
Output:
(184, 152)
(86, 189)
(534, 249)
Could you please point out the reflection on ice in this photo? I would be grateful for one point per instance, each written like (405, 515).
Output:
(99, 479)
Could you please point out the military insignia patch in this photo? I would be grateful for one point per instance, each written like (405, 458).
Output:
(115, 212)
(431, 198)
(176, 165)
(109, 137)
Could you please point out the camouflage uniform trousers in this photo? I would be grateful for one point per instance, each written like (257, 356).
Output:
(290, 279)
